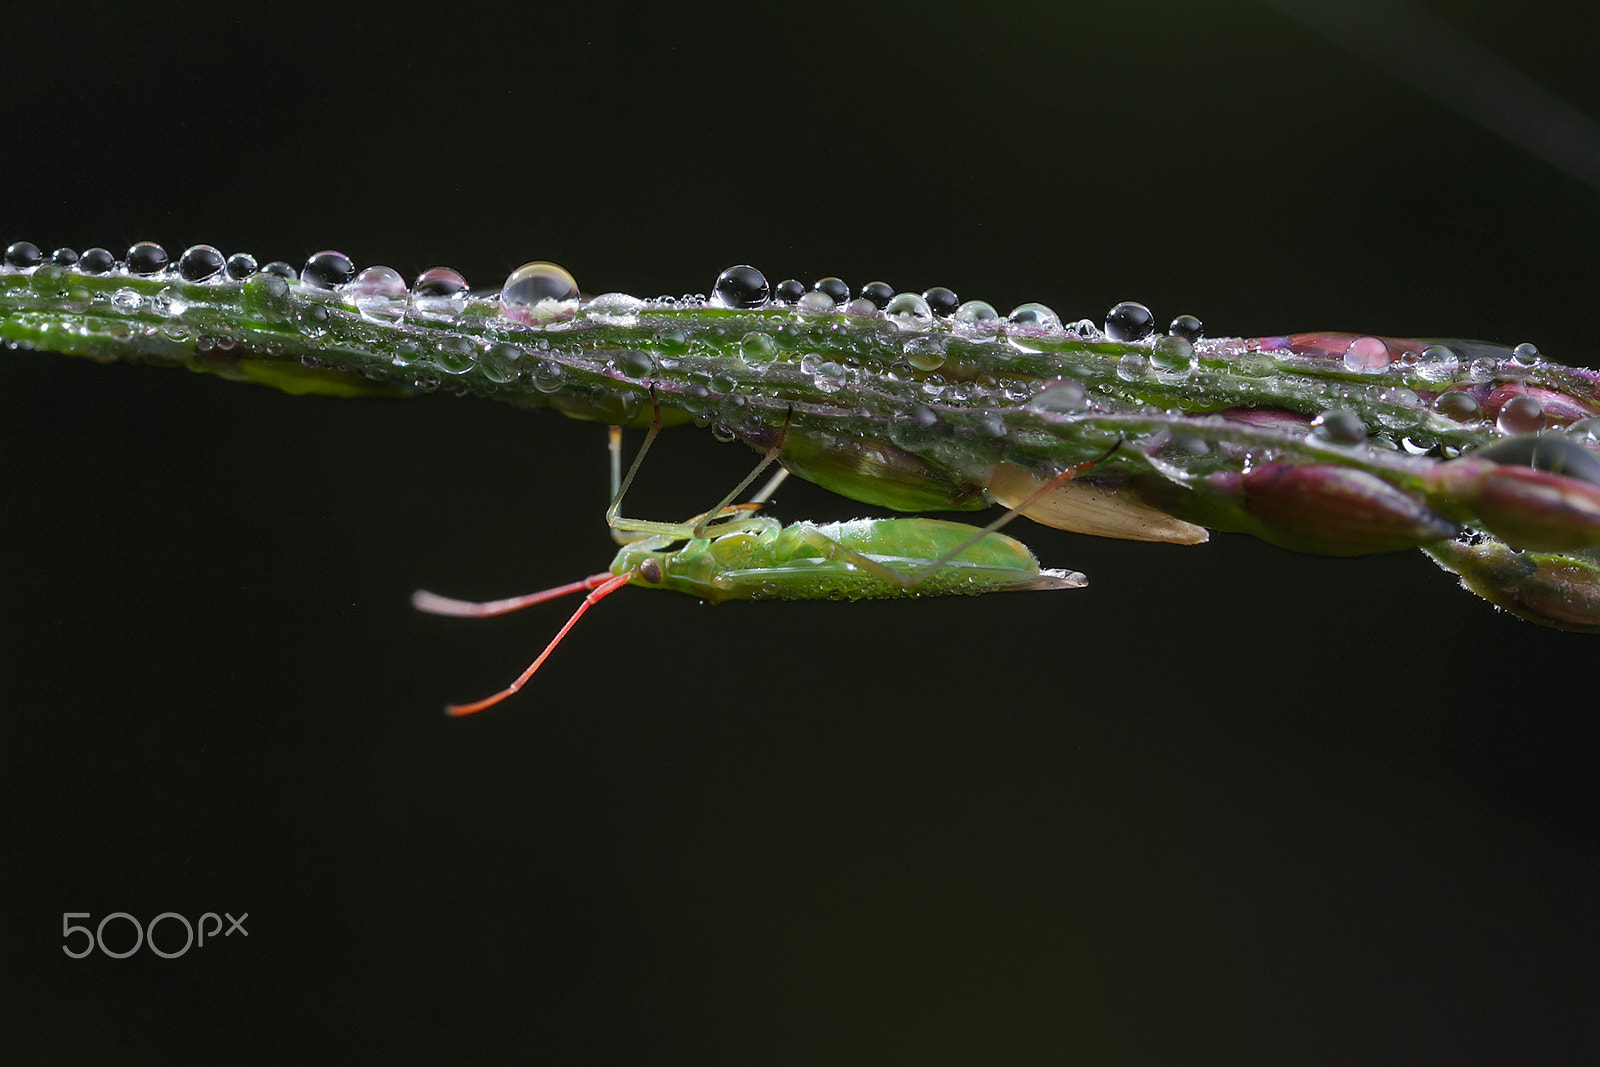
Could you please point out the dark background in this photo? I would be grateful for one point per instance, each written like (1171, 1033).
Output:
(1227, 803)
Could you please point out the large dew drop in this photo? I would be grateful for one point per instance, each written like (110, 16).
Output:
(439, 291)
(327, 270)
(539, 292)
(23, 254)
(1129, 321)
(1366, 355)
(741, 286)
(147, 258)
(1035, 315)
(1521, 414)
(199, 263)
(908, 311)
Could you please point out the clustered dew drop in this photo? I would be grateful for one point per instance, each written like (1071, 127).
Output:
(200, 262)
(1035, 316)
(741, 286)
(976, 313)
(1458, 405)
(908, 311)
(1521, 414)
(539, 292)
(1187, 327)
(878, 294)
(1129, 321)
(327, 270)
(146, 258)
(1366, 355)
(833, 288)
(1339, 426)
(439, 291)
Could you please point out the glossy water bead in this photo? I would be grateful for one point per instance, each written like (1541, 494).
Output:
(1129, 321)
(147, 257)
(834, 288)
(22, 255)
(741, 286)
(327, 270)
(199, 262)
(538, 292)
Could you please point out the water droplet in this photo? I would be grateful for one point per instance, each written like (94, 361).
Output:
(1187, 327)
(539, 292)
(313, 320)
(829, 377)
(126, 300)
(1520, 414)
(147, 258)
(815, 304)
(908, 311)
(1172, 354)
(47, 280)
(1525, 355)
(379, 294)
(1414, 448)
(547, 377)
(1457, 405)
(1339, 426)
(1366, 355)
(1400, 396)
(976, 313)
(614, 309)
(788, 292)
(455, 355)
(942, 301)
(1062, 397)
(1438, 363)
(439, 291)
(1034, 315)
(1131, 367)
(327, 270)
(1585, 430)
(199, 262)
(96, 261)
(241, 265)
(757, 348)
(861, 307)
(741, 286)
(834, 288)
(1129, 321)
(22, 255)
(880, 293)
(501, 363)
(64, 257)
(376, 285)
(925, 353)
(636, 364)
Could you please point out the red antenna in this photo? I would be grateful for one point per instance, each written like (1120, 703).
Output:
(598, 586)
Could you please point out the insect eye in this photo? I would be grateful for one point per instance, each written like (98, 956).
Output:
(650, 571)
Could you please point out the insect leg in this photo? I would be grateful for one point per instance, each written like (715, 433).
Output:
(702, 525)
(1049, 486)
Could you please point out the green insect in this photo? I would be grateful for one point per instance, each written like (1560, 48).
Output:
(730, 553)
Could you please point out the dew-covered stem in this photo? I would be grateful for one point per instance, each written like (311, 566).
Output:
(1333, 443)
